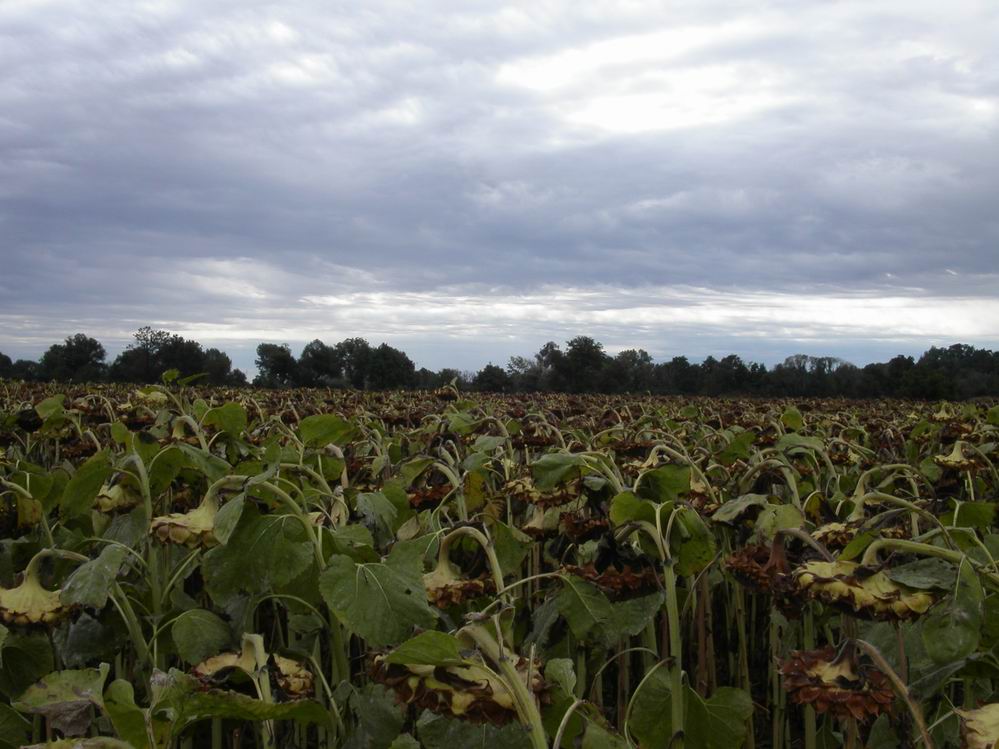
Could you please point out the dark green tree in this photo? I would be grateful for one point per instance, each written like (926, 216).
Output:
(276, 366)
(389, 367)
(319, 365)
(492, 379)
(79, 359)
(354, 355)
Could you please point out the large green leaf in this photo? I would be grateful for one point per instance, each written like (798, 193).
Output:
(925, 574)
(692, 542)
(650, 721)
(555, 468)
(773, 518)
(665, 484)
(379, 717)
(230, 418)
(586, 609)
(952, 630)
(738, 448)
(81, 491)
(264, 552)
(66, 698)
(627, 507)
(91, 583)
(512, 546)
(198, 634)
(324, 429)
(734, 509)
(799, 442)
(27, 657)
(15, 730)
(212, 466)
(719, 722)
(128, 719)
(181, 700)
(632, 615)
(792, 419)
(430, 648)
(379, 601)
(165, 468)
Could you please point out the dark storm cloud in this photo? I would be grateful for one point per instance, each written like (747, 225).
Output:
(248, 170)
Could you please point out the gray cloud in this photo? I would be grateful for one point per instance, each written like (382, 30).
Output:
(218, 167)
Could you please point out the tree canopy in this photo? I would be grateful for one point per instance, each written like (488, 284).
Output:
(583, 365)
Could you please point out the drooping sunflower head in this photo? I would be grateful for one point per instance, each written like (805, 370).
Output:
(193, 529)
(980, 727)
(469, 690)
(859, 591)
(836, 683)
(31, 604)
(446, 587)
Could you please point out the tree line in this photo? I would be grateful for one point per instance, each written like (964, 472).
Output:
(582, 366)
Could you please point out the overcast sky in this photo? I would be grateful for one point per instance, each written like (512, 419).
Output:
(467, 180)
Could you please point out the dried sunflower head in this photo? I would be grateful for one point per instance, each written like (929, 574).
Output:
(219, 666)
(618, 583)
(525, 490)
(292, 677)
(31, 604)
(855, 589)
(980, 728)
(956, 460)
(470, 690)
(194, 528)
(838, 535)
(578, 528)
(522, 489)
(751, 566)
(429, 490)
(117, 497)
(445, 586)
(836, 684)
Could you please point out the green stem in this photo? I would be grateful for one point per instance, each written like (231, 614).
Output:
(527, 706)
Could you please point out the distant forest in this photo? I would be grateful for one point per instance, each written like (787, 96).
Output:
(581, 366)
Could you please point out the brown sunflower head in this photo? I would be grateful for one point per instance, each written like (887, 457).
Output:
(193, 529)
(836, 683)
(860, 591)
(748, 565)
(470, 690)
(980, 727)
(445, 586)
(295, 681)
(957, 459)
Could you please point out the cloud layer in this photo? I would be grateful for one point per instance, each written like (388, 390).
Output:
(759, 178)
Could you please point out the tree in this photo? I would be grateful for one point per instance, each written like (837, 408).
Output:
(492, 379)
(153, 352)
(629, 372)
(390, 368)
(276, 366)
(354, 355)
(218, 366)
(553, 367)
(27, 370)
(319, 365)
(79, 359)
(525, 374)
(583, 364)
(5, 365)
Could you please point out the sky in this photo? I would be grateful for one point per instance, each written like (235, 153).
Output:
(467, 180)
